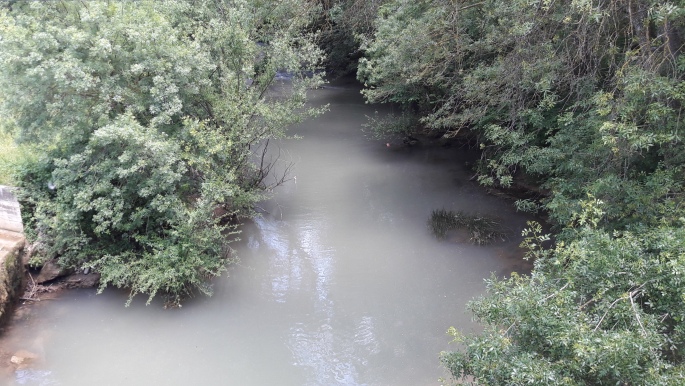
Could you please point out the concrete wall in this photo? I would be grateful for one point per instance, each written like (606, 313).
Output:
(10, 214)
(11, 248)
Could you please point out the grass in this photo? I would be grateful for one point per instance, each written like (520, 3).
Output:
(11, 157)
(482, 230)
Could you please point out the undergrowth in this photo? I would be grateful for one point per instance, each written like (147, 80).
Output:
(11, 157)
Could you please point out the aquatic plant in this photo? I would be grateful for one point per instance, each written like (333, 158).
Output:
(483, 230)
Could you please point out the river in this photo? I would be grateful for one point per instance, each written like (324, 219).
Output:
(340, 281)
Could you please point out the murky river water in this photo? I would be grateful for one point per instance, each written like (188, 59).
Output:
(340, 282)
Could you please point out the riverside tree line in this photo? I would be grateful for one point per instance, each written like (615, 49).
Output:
(149, 115)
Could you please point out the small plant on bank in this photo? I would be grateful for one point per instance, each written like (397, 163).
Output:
(482, 230)
(12, 156)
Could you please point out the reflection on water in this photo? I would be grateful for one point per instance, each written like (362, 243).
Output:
(340, 282)
(319, 256)
(327, 359)
(35, 377)
(316, 347)
(364, 337)
(284, 267)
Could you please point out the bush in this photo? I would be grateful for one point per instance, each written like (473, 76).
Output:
(147, 115)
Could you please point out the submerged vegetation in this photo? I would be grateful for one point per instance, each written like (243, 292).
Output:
(482, 230)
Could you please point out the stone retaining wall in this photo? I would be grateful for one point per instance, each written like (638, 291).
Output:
(10, 214)
(11, 248)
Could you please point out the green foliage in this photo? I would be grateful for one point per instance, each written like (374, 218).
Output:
(569, 93)
(402, 36)
(603, 309)
(12, 156)
(149, 114)
(587, 98)
(390, 126)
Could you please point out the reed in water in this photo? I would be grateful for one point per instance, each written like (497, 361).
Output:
(482, 230)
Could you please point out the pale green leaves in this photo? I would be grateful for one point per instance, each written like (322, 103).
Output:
(151, 111)
(584, 99)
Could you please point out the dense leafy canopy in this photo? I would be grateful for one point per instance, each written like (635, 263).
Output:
(586, 99)
(151, 114)
(568, 93)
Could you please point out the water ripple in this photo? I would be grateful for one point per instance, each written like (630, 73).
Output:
(35, 377)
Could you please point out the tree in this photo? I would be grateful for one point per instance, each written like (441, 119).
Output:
(150, 114)
(602, 309)
(343, 25)
(585, 98)
(564, 93)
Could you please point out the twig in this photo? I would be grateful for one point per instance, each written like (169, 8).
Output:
(607, 311)
(637, 315)
(554, 294)
(507, 331)
(586, 303)
(629, 296)
(32, 291)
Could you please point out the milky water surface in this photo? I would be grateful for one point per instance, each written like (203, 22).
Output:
(340, 282)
